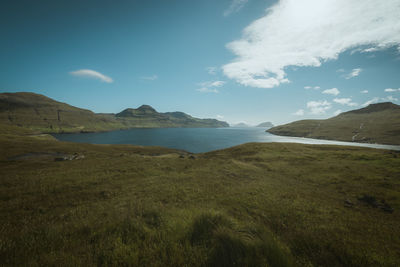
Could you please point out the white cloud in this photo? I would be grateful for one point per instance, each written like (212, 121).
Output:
(364, 92)
(210, 87)
(91, 74)
(212, 70)
(300, 112)
(311, 87)
(234, 7)
(340, 70)
(333, 91)
(150, 78)
(389, 98)
(353, 73)
(308, 33)
(207, 90)
(377, 99)
(345, 101)
(389, 90)
(219, 117)
(337, 112)
(217, 84)
(318, 107)
(372, 101)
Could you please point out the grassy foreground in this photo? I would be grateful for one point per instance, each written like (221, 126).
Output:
(250, 205)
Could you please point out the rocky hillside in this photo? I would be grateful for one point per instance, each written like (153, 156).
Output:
(376, 123)
(43, 114)
(147, 116)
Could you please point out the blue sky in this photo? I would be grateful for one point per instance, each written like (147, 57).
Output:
(235, 60)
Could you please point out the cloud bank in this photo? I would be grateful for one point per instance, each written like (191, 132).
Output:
(308, 33)
(91, 74)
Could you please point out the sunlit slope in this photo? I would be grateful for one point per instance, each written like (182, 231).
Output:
(376, 123)
(147, 116)
(43, 114)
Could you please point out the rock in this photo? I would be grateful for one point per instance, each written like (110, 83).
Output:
(192, 157)
(61, 158)
(75, 156)
(181, 156)
(348, 203)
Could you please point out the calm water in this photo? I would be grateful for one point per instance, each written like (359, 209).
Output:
(195, 139)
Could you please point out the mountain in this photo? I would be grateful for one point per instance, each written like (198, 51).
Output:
(376, 123)
(241, 124)
(43, 114)
(146, 116)
(265, 124)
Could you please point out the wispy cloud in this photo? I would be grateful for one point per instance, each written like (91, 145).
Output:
(87, 73)
(150, 78)
(300, 112)
(219, 117)
(234, 7)
(337, 112)
(294, 33)
(364, 92)
(371, 101)
(333, 91)
(212, 70)
(312, 87)
(318, 107)
(207, 90)
(345, 101)
(390, 98)
(210, 87)
(377, 99)
(390, 90)
(353, 73)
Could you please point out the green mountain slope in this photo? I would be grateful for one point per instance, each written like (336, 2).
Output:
(43, 114)
(146, 116)
(376, 123)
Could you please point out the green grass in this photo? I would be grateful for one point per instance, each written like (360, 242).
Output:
(250, 205)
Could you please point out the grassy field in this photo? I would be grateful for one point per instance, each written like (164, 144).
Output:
(251, 205)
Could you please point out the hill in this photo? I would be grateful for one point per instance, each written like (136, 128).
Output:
(376, 123)
(265, 124)
(43, 114)
(146, 116)
(241, 124)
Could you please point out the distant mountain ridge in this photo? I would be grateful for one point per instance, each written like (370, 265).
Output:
(376, 123)
(265, 124)
(43, 114)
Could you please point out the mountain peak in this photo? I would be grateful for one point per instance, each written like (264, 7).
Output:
(375, 108)
(146, 108)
